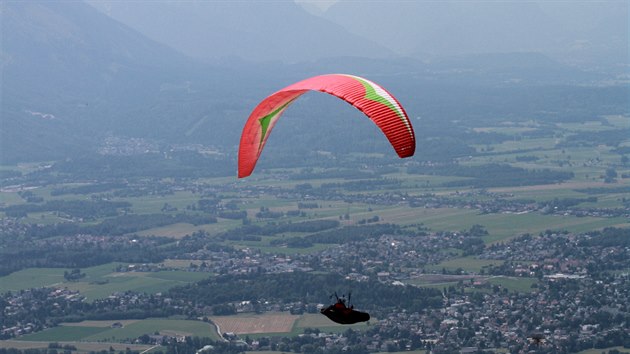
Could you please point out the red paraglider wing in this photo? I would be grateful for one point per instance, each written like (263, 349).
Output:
(373, 100)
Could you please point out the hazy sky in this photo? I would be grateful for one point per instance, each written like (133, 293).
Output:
(321, 4)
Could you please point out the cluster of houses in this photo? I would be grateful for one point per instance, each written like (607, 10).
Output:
(18, 307)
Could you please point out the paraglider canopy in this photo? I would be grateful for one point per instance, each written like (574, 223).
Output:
(373, 100)
(341, 313)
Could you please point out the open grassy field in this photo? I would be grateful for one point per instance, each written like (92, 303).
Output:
(151, 282)
(468, 264)
(175, 231)
(31, 278)
(281, 322)
(604, 350)
(154, 204)
(103, 323)
(277, 352)
(499, 226)
(100, 281)
(82, 347)
(8, 197)
(441, 281)
(316, 320)
(514, 284)
(63, 333)
(93, 331)
(265, 247)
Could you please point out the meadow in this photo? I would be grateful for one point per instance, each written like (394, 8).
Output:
(101, 331)
(100, 281)
(82, 347)
(280, 323)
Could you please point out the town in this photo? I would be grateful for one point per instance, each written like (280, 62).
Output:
(577, 299)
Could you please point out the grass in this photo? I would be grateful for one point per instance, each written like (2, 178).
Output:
(438, 286)
(500, 227)
(468, 264)
(521, 285)
(279, 249)
(249, 323)
(619, 121)
(10, 198)
(279, 352)
(436, 281)
(152, 282)
(163, 326)
(308, 320)
(98, 323)
(129, 331)
(82, 347)
(63, 333)
(321, 322)
(588, 126)
(31, 278)
(176, 231)
(604, 350)
(100, 281)
(154, 204)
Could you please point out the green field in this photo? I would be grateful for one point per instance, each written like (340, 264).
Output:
(468, 264)
(101, 331)
(521, 285)
(63, 333)
(500, 227)
(129, 331)
(154, 204)
(276, 352)
(134, 281)
(438, 281)
(82, 347)
(31, 278)
(100, 281)
(604, 350)
(311, 320)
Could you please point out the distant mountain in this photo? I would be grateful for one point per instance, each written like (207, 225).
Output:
(587, 33)
(252, 30)
(64, 67)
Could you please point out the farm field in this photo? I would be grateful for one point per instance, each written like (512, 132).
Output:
(151, 282)
(279, 352)
(513, 284)
(523, 285)
(604, 350)
(311, 320)
(242, 324)
(31, 278)
(82, 347)
(281, 322)
(500, 227)
(100, 281)
(469, 264)
(93, 331)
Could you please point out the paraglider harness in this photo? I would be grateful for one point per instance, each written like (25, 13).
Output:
(341, 313)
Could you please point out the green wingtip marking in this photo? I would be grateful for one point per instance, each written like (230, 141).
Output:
(266, 121)
(372, 95)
